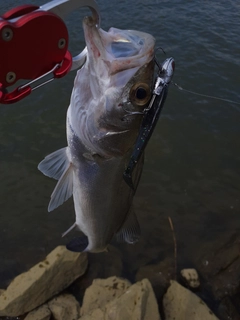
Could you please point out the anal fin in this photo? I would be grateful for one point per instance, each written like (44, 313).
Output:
(69, 229)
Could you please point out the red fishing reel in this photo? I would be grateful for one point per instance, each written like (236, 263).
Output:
(33, 44)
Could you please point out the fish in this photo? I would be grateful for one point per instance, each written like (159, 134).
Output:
(104, 116)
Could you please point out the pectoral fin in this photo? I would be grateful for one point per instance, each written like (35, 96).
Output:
(55, 163)
(130, 231)
(63, 189)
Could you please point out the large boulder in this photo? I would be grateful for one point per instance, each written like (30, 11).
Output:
(180, 303)
(114, 298)
(49, 277)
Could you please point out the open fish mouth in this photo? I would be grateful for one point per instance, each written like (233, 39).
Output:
(118, 49)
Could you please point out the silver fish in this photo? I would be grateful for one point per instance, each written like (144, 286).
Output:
(110, 91)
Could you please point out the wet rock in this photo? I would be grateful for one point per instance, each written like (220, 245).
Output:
(65, 307)
(103, 265)
(180, 303)
(220, 267)
(49, 277)
(41, 313)
(102, 291)
(191, 277)
(159, 275)
(228, 310)
(129, 302)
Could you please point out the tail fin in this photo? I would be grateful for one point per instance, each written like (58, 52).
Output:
(78, 244)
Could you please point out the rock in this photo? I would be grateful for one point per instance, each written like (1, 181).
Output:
(49, 277)
(96, 314)
(65, 307)
(1, 291)
(102, 291)
(228, 309)
(41, 313)
(220, 267)
(98, 268)
(138, 302)
(159, 275)
(191, 277)
(181, 304)
(122, 301)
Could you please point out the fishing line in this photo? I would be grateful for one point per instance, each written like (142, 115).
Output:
(189, 91)
(155, 58)
(204, 95)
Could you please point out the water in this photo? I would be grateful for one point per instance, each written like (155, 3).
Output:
(191, 172)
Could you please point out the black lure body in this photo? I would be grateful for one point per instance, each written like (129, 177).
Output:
(151, 116)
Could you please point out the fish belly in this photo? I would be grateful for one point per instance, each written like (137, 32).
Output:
(101, 197)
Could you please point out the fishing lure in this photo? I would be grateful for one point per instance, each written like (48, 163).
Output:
(151, 115)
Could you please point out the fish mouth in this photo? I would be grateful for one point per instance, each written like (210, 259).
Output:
(118, 49)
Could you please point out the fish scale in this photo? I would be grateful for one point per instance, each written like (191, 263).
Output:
(101, 134)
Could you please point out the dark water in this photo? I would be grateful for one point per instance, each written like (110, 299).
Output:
(192, 169)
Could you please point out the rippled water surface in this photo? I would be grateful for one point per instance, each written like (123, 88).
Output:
(191, 172)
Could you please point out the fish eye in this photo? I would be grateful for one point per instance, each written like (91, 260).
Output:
(140, 94)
